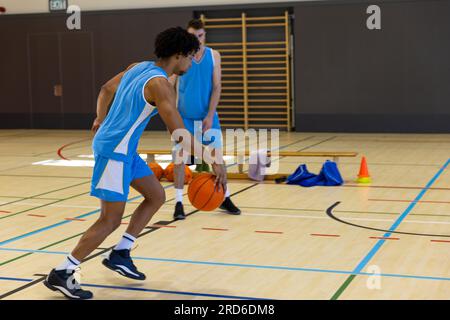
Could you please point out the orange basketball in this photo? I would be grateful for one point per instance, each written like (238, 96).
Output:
(168, 173)
(202, 195)
(157, 170)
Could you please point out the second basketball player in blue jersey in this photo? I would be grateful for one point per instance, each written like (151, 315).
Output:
(198, 92)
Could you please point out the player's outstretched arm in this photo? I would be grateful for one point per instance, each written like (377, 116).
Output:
(161, 93)
(105, 97)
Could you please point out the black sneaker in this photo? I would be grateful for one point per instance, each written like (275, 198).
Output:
(229, 206)
(179, 211)
(120, 261)
(191, 161)
(68, 283)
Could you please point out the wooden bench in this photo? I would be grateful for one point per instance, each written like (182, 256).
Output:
(240, 157)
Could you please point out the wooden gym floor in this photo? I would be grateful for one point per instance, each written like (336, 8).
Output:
(289, 243)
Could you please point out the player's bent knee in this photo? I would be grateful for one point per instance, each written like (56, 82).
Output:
(156, 196)
(113, 225)
(116, 224)
(110, 224)
(160, 197)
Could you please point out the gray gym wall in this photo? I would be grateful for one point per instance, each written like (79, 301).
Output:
(347, 78)
(351, 79)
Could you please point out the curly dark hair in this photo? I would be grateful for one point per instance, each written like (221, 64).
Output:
(175, 41)
(196, 24)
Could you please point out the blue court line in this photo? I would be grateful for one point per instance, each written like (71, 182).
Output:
(240, 265)
(63, 222)
(15, 279)
(183, 293)
(55, 225)
(399, 220)
(97, 210)
(34, 251)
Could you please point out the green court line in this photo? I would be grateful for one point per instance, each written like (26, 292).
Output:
(65, 239)
(50, 245)
(105, 250)
(343, 287)
(60, 241)
(44, 205)
(12, 197)
(391, 230)
(43, 248)
(124, 217)
(41, 194)
(77, 235)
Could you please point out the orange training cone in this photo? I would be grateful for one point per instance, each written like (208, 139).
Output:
(364, 176)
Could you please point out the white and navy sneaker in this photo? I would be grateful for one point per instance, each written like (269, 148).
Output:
(120, 261)
(68, 283)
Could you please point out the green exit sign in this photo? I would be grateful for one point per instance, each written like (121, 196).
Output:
(57, 5)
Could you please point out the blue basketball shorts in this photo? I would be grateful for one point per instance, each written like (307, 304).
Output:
(111, 179)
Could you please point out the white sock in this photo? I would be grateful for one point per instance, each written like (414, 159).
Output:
(126, 242)
(227, 193)
(69, 263)
(178, 195)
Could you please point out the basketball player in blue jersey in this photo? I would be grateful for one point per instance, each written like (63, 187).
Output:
(137, 94)
(198, 94)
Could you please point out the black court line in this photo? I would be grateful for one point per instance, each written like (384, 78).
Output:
(297, 141)
(18, 135)
(14, 168)
(161, 223)
(347, 211)
(16, 197)
(69, 149)
(316, 144)
(42, 278)
(307, 147)
(332, 216)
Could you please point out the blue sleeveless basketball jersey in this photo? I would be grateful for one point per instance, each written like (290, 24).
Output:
(118, 136)
(117, 162)
(195, 88)
(194, 94)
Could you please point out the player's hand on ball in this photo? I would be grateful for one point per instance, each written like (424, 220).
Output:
(207, 123)
(221, 176)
